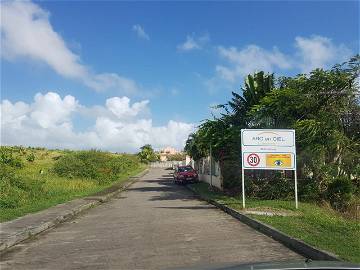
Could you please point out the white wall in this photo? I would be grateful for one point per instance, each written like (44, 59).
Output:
(166, 164)
(216, 180)
(203, 167)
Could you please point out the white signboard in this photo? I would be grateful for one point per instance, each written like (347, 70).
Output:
(270, 149)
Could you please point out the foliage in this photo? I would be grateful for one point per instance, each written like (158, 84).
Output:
(147, 154)
(322, 106)
(15, 190)
(340, 192)
(7, 157)
(270, 188)
(35, 185)
(223, 134)
(30, 157)
(176, 157)
(95, 165)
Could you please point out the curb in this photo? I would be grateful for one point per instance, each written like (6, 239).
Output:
(292, 243)
(31, 231)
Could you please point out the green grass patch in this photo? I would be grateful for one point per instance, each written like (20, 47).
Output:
(31, 184)
(321, 227)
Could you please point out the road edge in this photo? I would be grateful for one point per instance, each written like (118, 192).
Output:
(89, 202)
(292, 243)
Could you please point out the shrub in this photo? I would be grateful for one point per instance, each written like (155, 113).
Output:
(339, 193)
(16, 190)
(7, 157)
(176, 157)
(271, 187)
(30, 157)
(231, 172)
(72, 165)
(309, 190)
(95, 165)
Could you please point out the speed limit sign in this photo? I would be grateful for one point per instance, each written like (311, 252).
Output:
(253, 159)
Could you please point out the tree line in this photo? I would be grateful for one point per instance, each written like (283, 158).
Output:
(322, 106)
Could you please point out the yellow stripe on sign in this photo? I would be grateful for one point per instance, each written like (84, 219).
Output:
(278, 160)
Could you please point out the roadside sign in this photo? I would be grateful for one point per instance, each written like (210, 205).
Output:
(268, 161)
(253, 159)
(275, 149)
(268, 149)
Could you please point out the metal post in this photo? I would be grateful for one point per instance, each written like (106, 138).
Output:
(243, 186)
(210, 166)
(296, 192)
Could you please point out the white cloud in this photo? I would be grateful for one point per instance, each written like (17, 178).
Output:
(139, 30)
(318, 51)
(193, 43)
(104, 81)
(310, 53)
(26, 32)
(15, 113)
(117, 126)
(121, 108)
(249, 59)
(50, 110)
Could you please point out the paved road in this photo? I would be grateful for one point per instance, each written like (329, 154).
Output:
(153, 225)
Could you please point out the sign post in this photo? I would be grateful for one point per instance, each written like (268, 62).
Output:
(268, 149)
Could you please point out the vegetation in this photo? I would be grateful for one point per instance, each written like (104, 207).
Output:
(147, 154)
(51, 177)
(95, 165)
(321, 227)
(176, 157)
(324, 109)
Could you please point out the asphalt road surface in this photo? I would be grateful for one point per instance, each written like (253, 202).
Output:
(153, 225)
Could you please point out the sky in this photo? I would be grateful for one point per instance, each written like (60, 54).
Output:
(117, 75)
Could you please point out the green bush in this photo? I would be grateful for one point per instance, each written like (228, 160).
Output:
(176, 157)
(7, 157)
(339, 193)
(270, 187)
(16, 190)
(72, 165)
(231, 172)
(30, 157)
(309, 190)
(95, 165)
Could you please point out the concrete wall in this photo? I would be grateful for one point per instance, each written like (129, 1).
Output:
(203, 168)
(166, 164)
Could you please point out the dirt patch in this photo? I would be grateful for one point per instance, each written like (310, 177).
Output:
(268, 211)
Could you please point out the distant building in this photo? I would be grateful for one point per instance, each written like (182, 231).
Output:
(167, 151)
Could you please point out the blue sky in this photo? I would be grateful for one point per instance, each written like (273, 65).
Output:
(147, 72)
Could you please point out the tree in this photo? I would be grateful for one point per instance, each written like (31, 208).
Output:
(176, 157)
(256, 86)
(147, 154)
(322, 106)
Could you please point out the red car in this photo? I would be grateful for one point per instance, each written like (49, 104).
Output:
(185, 174)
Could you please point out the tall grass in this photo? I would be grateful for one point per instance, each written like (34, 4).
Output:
(51, 177)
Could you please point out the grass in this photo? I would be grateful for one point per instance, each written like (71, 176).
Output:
(321, 227)
(41, 187)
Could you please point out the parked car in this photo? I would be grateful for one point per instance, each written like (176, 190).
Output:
(185, 174)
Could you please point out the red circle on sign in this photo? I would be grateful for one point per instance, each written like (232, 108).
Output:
(253, 159)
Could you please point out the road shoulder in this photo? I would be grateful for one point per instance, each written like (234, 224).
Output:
(20, 229)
